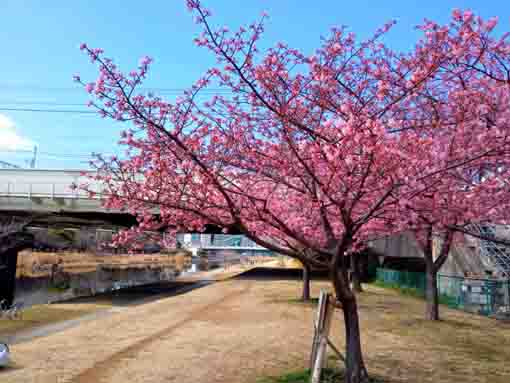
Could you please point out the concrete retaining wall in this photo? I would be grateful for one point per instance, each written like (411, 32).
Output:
(40, 290)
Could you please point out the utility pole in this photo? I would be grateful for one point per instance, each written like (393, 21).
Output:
(32, 163)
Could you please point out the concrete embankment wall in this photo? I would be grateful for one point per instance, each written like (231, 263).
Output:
(464, 257)
(40, 290)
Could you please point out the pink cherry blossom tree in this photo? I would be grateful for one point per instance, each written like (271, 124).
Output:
(308, 156)
(445, 213)
(466, 116)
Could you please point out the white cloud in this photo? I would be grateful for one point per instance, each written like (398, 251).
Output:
(9, 138)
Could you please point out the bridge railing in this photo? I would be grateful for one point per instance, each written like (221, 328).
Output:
(46, 190)
(219, 241)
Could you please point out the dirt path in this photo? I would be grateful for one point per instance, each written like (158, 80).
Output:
(103, 369)
(224, 273)
(97, 313)
(218, 333)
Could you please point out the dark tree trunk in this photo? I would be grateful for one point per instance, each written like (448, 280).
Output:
(431, 269)
(8, 262)
(432, 309)
(355, 370)
(306, 283)
(431, 295)
(356, 274)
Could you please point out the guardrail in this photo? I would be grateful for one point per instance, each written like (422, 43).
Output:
(47, 190)
(220, 241)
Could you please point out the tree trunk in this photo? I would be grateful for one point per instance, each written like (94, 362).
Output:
(306, 283)
(431, 269)
(431, 295)
(355, 370)
(8, 262)
(432, 306)
(356, 274)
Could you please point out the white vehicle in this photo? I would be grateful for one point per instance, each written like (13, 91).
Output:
(4, 355)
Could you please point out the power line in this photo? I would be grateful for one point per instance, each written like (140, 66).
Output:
(46, 110)
(31, 110)
(142, 89)
(45, 103)
(53, 154)
(8, 165)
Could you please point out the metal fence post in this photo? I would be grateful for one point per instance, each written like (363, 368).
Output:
(508, 293)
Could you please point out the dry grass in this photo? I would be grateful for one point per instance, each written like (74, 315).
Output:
(460, 347)
(38, 264)
(41, 315)
(242, 331)
(400, 346)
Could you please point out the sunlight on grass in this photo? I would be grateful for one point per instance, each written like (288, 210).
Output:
(328, 375)
(42, 315)
(400, 345)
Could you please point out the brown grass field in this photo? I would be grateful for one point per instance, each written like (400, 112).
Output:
(244, 331)
(41, 315)
(401, 346)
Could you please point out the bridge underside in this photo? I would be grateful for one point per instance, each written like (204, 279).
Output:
(55, 230)
(72, 218)
(8, 261)
(66, 230)
(10, 245)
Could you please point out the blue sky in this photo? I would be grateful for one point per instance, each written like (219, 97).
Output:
(39, 41)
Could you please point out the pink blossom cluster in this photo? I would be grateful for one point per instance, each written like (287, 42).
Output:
(317, 152)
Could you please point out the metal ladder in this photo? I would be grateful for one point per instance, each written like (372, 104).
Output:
(497, 254)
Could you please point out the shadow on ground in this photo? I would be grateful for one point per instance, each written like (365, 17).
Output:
(138, 295)
(279, 274)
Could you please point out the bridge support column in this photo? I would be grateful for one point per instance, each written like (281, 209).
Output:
(8, 262)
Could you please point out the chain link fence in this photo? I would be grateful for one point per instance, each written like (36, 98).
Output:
(403, 279)
(490, 297)
(480, 296)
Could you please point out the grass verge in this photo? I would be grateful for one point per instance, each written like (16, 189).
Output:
(328, 375)
(414, 292)
(408, 291)
(42, 315)
(311, 301)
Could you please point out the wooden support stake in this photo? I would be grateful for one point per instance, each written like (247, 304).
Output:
(318, 326)
(338, 353)
(325, 311)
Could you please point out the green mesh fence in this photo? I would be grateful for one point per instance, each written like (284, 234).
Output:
(404, 279)
(481, 296)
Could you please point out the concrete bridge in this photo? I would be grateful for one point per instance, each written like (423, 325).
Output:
(35, 190)
(221, 248)
(26, 191)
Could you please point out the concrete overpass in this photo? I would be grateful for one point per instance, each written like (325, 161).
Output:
(46, 198)
(27, 191)
(34, 190)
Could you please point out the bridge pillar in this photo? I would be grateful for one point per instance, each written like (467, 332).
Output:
(8, 262)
